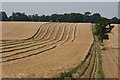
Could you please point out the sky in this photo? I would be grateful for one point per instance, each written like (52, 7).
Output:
(59, 0)
(106, 9)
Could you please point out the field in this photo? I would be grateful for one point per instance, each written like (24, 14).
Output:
(19, 30)
(110, 55)
(36, 49)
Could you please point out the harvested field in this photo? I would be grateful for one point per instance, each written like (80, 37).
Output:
(19, 30)
(110, 55)
(36, 49)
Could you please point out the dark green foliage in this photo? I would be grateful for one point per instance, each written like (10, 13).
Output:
(34, 17)
(87, 17)
(115, 20)
(65, 74)
(95, 18)
(100, 73)
(19, 17)
(3, 16)
(44, 18)
(71, 72)
(102, 29)
(87, 13)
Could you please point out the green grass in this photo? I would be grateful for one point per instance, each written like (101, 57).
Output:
(100, 73)
(71, 72)
(65, 74)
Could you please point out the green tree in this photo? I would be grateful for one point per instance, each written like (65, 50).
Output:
(102, 29)
(87, 13)
(114, 20)
(87, 17)
(95, 18)
(35, 17)
(19, 17)
(44, 18)
(3, 16)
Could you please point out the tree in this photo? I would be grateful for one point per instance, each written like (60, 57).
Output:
(87, 17)
(118, 21)
(87, 13)
(19, 17)
(35, 17)
(54, 17)
(3, 16)
(102, 29)
(114, 20)
(44, 18)
(95, 18)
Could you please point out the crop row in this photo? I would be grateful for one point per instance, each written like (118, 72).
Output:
(31, 47)
(12, 42)
(59, 38)
(22, 44)
(24, 40)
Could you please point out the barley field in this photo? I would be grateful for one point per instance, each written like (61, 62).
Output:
(43, 49)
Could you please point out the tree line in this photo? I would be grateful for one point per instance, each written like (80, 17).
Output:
(87, 17)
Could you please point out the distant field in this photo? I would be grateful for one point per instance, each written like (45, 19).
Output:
(110, 55)
(40, 49)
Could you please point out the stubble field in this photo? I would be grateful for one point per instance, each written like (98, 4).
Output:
(110, 55)
(36, 49)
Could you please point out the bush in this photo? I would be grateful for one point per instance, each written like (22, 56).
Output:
(65, 74)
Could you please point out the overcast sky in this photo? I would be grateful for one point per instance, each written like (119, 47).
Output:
(106, 9)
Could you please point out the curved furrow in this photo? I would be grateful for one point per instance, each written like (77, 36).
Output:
(84, 67)
(29, 49)
(33, 39)
(87, 73)
(86, 62)
(54, 33)
(25, 40)
(19, 45)
(77, 33)
(47, 37)
(71, 32)
(67, 34)
(37, 49)
(62, 36)
(47, 32)
(74, 33)
(35, 35)
(27, 55)
(40, 31)
(94, 68)
(50, 33)
(24, 47)
(43, 32)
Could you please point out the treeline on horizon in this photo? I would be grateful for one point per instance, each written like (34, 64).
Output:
(87, 17)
